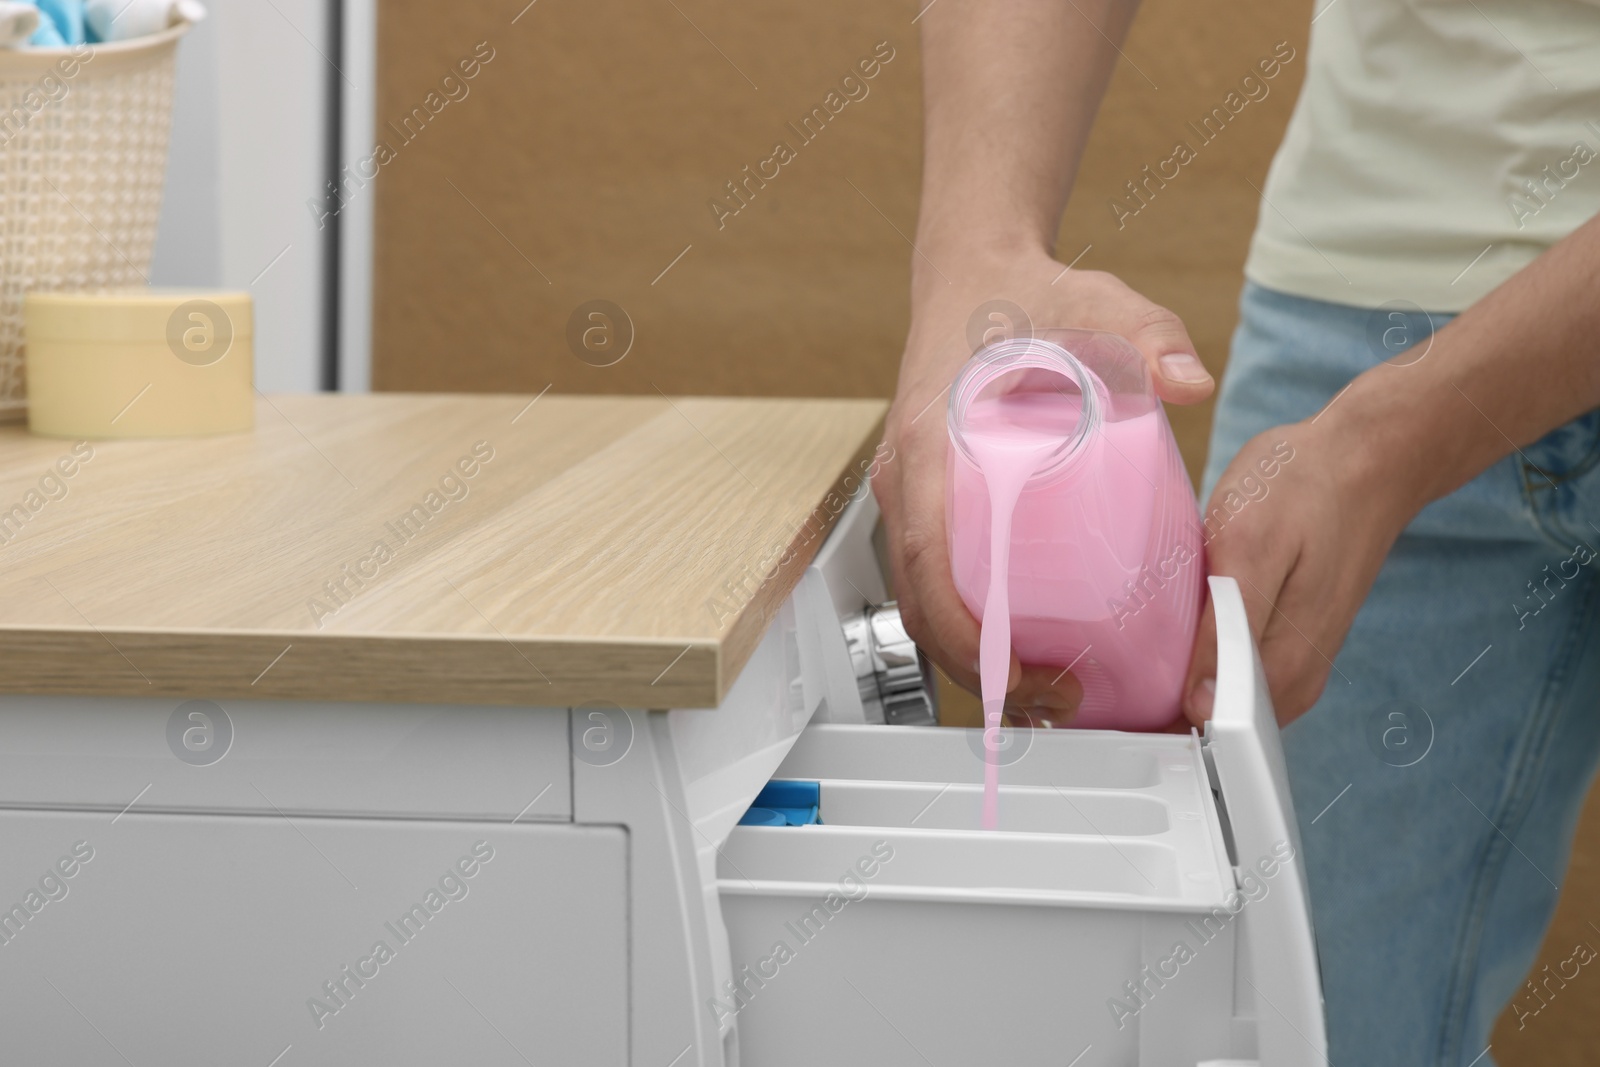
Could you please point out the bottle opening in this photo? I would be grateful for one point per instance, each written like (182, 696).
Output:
(1025, 386)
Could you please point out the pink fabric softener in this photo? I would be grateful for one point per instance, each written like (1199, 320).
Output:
(1064, 476)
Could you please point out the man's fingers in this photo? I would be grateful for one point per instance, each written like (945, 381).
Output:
(1296, 653)
(1160, 336)
(1200, 686)
(942, 640)
(933, 612)
(1046, 696)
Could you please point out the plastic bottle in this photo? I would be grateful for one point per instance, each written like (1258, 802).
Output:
(1097, 525)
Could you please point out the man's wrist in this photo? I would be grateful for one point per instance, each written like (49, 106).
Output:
(943, 259)
(1398, 441)
(1508, 370)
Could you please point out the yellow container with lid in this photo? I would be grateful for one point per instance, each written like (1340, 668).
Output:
(139, 362)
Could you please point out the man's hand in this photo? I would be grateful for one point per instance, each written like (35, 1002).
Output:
(1008, 105)
(1008, 102)
(911, 489)
(1305, 544)
(1508, 370)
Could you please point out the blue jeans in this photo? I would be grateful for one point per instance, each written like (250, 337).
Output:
(1439, 779)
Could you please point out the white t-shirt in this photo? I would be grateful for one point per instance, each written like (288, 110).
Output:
(1437, 148)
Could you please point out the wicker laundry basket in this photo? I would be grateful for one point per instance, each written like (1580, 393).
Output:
(82, 159)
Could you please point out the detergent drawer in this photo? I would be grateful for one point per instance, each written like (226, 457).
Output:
(1095, 923)
(1143, 902)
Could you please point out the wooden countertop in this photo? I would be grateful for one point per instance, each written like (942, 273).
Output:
(421, 548)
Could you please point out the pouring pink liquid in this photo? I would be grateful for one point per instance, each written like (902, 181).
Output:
(1065, 481)
(1011, 436)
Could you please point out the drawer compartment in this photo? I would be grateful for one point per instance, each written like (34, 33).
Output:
(1028, 809)
(918, 935)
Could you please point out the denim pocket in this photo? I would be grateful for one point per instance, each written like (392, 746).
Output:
(1561, 481)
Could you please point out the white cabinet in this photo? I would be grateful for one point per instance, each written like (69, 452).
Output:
(192, 940)
(354, 884)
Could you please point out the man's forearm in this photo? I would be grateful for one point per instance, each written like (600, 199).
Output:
(1517, 364)
(1010, 92)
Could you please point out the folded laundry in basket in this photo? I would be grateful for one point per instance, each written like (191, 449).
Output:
(18, 22)
(120, 20)
(58, 23)
(67, 15)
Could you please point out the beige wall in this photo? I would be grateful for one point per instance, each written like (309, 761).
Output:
(582, 161)
(593, 143)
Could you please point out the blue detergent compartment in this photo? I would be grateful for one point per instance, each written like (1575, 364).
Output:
(785, 802)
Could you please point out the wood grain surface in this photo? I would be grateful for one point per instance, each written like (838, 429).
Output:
(457, 549)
